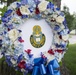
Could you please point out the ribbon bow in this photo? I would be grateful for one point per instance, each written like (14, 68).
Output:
(41, 69)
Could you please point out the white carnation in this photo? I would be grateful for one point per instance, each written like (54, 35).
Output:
(13, 6)
(24, 10)
(13, 61)
(43, 6)
(59, 19)
(49, 57)
(13, 34)
(65, 37)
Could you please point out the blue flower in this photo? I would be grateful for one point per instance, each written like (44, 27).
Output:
(50, 5)
(36, 1)
(18, 5)
(58, 9)
(0, 42)
(61, 13)
(15, 57)
(30, 55)
(31, 3)
(8, 12)
(10, 26)
(4, 19)
(64, 22)
(5, 32)
(24, 2)
(31, 9)
(57, 27)
(38, 16)
(8, 58)
(29, 66)
(20, 31)
(24, 16)
(63, 45)
(20, 58)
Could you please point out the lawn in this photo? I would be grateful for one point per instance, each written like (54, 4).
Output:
(70, 59)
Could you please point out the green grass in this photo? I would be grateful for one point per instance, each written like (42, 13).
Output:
(70, 59)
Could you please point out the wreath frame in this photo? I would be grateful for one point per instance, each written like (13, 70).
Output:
(17, 14)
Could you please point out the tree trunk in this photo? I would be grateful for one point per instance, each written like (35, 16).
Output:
(10, 1)
(7, 70)
(75, 31)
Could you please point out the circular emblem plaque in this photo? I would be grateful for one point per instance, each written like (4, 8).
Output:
(37, 38)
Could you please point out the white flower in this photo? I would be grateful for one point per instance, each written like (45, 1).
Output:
(55, 15)
(24, 10)
(57, 39)
(65, 37)
(49, 57)
(43, 6)
(13, 34)
(13, 6)
(13, 61)
(62, 26)
(59, 56)
(59, 19)
(16, 20)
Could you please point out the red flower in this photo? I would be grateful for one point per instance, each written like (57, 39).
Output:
(43, 56)
(8, 29)
(59, 51)
(51, 52)
(18, 12)
(21, 65)
(21, 40)
(53, 20)
(60, 37)
(28, 51)
(37, 10)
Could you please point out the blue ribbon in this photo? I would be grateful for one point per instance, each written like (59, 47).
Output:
(41, 69)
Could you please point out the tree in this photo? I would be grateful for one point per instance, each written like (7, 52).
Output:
(69, 18)
(74, 22)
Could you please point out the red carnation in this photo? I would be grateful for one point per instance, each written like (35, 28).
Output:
(60, 37)
(18, 12)
(53, 20)
(37, 10)
(59, 51)
(21, 40)
(8, 29)
(51, 52)
(28, 51)
(21, 65)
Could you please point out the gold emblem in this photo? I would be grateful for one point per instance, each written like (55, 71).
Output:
(37, 38)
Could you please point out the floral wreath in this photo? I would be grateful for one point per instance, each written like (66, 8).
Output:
(11, 42)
